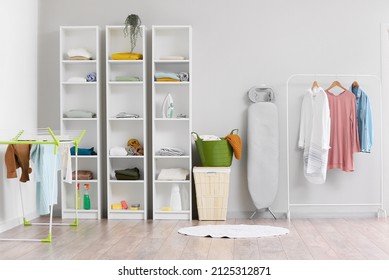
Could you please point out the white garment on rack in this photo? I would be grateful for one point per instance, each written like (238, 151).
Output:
(314, 136)
(66, 161)
(46, 167)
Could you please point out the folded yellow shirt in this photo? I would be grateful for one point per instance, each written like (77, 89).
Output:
(127, 56)
(167, 80)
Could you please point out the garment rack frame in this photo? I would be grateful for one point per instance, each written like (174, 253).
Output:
(56, 142)
(381, 212)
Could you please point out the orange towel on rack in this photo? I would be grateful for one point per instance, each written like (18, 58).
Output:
(18, 156)
(236, 144)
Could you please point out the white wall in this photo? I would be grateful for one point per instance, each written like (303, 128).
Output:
(18, 96)
(236, 45)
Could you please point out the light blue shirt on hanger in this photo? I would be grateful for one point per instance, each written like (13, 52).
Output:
(365, 122)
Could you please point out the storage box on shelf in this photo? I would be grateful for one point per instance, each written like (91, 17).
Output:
(126, 120)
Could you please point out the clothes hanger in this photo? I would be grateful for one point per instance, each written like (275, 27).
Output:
(315, 84)
(336, 84)
(355, 84)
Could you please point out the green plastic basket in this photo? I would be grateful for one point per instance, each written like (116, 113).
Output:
(214, 153)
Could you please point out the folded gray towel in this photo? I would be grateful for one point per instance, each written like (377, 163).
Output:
(79, 114)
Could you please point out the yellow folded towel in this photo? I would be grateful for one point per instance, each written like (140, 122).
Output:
(127, 56)
(116, 206)
(236, 144)
(167, 80)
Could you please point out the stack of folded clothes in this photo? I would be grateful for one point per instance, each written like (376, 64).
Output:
(173, 174)
(76, 113)
(79, 54)
(170, 152)
(171, 77)
(127, 174)
(82, 175)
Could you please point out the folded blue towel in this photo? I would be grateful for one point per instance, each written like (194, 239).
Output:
(82, 151)
(167, 75)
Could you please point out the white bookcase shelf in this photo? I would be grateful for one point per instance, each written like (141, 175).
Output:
(85, 96)
(176, 131)
(129, 97)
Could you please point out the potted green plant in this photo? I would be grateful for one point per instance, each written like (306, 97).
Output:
(132, 29)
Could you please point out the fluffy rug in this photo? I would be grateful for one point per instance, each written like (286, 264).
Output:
(233, 231)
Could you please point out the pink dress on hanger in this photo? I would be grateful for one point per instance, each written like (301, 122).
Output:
(344, 140)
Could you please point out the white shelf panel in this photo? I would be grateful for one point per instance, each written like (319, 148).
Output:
(79, 83)
(126, 119)
(171, 61)
(114, 83)
(172, 182)
(172, 157)
(128, 61)
(140, 182)
(172, 119)
(86, 181)
(69, 61)
(85, 157)
(172, 83)
(127, 157)
(79, 119)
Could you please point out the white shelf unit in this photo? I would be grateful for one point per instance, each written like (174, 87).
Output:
(81, 96)
(172, 132)
(129, 97)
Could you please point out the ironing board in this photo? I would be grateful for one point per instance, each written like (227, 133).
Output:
(263, 153)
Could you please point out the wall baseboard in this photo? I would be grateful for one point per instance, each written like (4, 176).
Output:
(9, 224)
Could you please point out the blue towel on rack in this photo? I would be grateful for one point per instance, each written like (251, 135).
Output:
(46, 167)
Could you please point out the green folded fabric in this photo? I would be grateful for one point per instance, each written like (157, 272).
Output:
(127, 174)
(127, 79)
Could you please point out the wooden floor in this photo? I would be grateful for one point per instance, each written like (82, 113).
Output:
(323, 239)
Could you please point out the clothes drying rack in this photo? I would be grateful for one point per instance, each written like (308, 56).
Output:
(379, 204)
(47, 137)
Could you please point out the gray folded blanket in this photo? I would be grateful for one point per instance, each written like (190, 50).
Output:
(79, 114)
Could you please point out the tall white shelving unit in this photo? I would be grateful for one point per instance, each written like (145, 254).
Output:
(81, 95)
(171, 42)
(128, 97)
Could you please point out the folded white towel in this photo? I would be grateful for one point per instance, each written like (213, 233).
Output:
(170, 151)
(173, 174)
(79, 52)
(117, 151)
(209, 137)
(77, 79)
(172, 57)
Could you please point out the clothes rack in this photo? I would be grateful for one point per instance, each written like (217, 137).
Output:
(379, 204)
(47, 137)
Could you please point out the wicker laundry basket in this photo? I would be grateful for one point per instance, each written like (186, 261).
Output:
(212, 188)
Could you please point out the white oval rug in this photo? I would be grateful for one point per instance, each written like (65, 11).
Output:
(233, 231)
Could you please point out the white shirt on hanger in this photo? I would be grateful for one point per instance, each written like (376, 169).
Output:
(314, 135)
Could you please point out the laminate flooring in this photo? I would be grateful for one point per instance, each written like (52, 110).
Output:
(309, 239)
